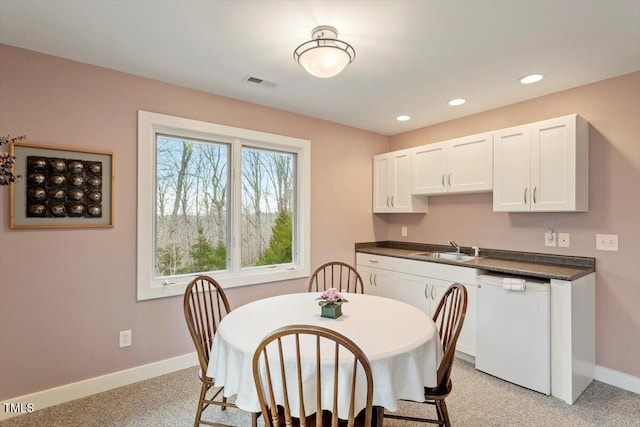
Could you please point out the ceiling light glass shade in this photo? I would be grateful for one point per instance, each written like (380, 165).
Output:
(325, 56)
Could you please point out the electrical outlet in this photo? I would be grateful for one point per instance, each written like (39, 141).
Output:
(563, 240)
(607, 242)
(404, 231)
(125, 338)
(549, 238)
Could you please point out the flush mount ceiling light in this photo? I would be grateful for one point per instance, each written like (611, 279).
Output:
(403, 118)
(325, 56)
(531, 78)
(457, 101)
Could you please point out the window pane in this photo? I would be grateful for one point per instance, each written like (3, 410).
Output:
(191, 206)
(267, 207)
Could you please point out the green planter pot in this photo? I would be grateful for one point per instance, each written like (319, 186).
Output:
(332, 311)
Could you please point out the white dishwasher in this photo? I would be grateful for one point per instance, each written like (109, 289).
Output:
(513, 330)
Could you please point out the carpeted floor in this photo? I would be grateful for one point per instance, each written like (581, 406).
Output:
(477, 400)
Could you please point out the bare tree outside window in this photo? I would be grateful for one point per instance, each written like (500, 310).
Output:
(192, 206)
(267, 196)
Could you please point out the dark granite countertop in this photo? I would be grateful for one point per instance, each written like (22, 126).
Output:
(529, 264)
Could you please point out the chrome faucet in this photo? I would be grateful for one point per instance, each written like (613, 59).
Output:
(455, 245)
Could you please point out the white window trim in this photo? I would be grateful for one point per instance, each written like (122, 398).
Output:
(150, 124)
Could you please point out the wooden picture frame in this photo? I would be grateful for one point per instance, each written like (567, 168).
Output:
(61, 187)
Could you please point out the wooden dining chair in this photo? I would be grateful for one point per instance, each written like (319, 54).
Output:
(449, 318)
(337, 275)
(205, 304)
(305, 374)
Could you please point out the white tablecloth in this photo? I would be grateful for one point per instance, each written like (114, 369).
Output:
(399, 340)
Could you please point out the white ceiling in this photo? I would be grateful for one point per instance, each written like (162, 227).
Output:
(411, 56)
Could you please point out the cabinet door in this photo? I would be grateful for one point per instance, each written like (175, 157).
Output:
(467, 339)
(413, 290)
(555, 183)
(439, 288)
(400, 182)
(429, 169)
(376, 281)
(381, 191)
(511, 169)
(392, 184)
(383, 281)
(368, 276)
(470, 164)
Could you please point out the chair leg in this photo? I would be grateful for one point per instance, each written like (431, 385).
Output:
(254, 419)
(442, 410)
(439, 413)
(379, 415)
(203, 394)
(224, 400)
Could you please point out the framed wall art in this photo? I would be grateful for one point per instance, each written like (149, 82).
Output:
(61, 187)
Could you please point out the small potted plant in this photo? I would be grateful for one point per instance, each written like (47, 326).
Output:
(331, 303)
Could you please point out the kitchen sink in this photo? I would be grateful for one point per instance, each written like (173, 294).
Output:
(452, 256)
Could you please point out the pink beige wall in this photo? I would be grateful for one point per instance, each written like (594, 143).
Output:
(65, 294)
(612, 108)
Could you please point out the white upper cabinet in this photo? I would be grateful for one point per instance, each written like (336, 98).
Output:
(429, 169)
(462, 165)
(391, 184)
(542, 166)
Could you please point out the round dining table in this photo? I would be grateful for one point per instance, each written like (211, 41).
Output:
(400, 341)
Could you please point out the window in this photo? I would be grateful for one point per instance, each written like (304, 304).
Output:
(227, 202)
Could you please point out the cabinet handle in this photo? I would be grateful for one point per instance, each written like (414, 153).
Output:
(373, 261)
(392, 201)
(525, 194)
(450, 173)
(370, 277)
(388, 201)
(432, 288)
(443, 179)
(535, 191)
(426, 286)
(375, 280)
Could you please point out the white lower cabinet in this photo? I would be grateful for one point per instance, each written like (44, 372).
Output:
(377, 274)
(416, 291)
(422, 285)
(467, 339)
(377, 281)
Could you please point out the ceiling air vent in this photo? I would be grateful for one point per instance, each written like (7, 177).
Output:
(260, 82)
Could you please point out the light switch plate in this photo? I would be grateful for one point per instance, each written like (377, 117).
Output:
(404, 231)
(563, 240)
(607, 242)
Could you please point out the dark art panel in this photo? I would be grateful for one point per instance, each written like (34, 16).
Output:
(63, 188)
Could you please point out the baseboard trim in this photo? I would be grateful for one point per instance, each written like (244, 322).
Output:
(466, 357)
(617, 379)
(57, 395)
(608, 376)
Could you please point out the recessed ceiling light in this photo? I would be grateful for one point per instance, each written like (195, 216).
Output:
(457, 101)
(531, 78)
(402, 118)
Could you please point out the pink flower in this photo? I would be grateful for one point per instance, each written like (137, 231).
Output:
(331, 296)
